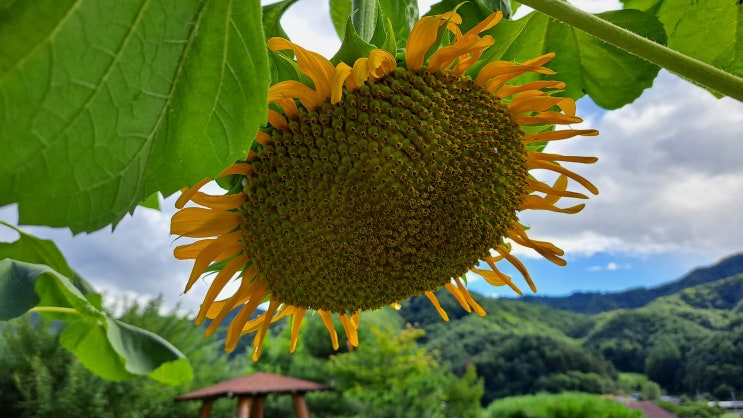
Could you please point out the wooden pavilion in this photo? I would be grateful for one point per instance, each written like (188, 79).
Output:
(251, 391)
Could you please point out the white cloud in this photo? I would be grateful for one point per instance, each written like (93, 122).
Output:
(669, 176)
(610, 266)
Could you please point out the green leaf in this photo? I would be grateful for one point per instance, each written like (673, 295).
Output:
(354, 47)
(103, 103)
(152, 202)
(88, 340)
(340, 10)
(403, 15)
(272, 14)
(35, 250)
(17, 288)
(108, 347)
(710, 31)
(58, 291)
(609, 75)
(146, 353)
(472, 12)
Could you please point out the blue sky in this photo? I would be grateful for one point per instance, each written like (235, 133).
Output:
(669, 173)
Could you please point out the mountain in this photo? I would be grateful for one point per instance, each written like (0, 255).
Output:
(689, 340)
(592, 302)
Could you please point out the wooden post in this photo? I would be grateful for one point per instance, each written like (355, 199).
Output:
(300, 405)
(206, 408)
(257, 411)
(243, 406)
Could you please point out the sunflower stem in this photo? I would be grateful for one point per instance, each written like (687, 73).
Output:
(674, 61)
(55, 309)
(364, 16)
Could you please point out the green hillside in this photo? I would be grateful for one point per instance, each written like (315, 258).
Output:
(600, 302)
(689, 341)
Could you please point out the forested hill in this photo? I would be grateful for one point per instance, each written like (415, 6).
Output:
(688, 342)
(635, 298)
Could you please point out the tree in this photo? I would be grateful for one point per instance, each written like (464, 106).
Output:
(393, 377)
(662, 364)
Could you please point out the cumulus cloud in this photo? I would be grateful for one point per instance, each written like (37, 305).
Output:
(610, 266)
(669, 174)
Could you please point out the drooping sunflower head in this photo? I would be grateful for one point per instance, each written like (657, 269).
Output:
(379, 180)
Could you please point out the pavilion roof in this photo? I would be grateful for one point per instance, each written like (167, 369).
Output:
(256, 384)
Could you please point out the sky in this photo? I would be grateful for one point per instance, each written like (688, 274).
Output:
(669, 175)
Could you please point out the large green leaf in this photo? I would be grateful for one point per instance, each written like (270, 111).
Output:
(104, 102)
(35, 250)
(609, 75)
(710, 30)
(108, 347)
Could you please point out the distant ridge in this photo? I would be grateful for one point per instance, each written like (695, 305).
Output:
(593, 302)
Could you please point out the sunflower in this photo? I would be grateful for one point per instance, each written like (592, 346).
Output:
(380, 180)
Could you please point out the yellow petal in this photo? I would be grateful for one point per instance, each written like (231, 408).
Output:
(537, 186)
(380, 63)
(547, 117)
(423, 36)
(192, 250)
(188, 192)
(559, 157)
(435, 302)
(220, 281)
(222, 248)
(276, 119)
(351, 333)
(519, 266)
(202, 223)
(263, 138)
(458, 296)
(292, 89)
(476, 306)
(342, 71)
(446, 56)
(314, 65)
(506, 91)
(546, 165)
(296, 324)
(328, 322)
(220, 202)
(557, 135)
(258, 340)
(359, 74)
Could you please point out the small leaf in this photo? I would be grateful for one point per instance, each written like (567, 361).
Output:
(272, 14)
(169, 93)
(403, 15)
(17, 293)
(340, 10)
(152, 202)
(472, 12)
(35, 250)
(352, 48)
